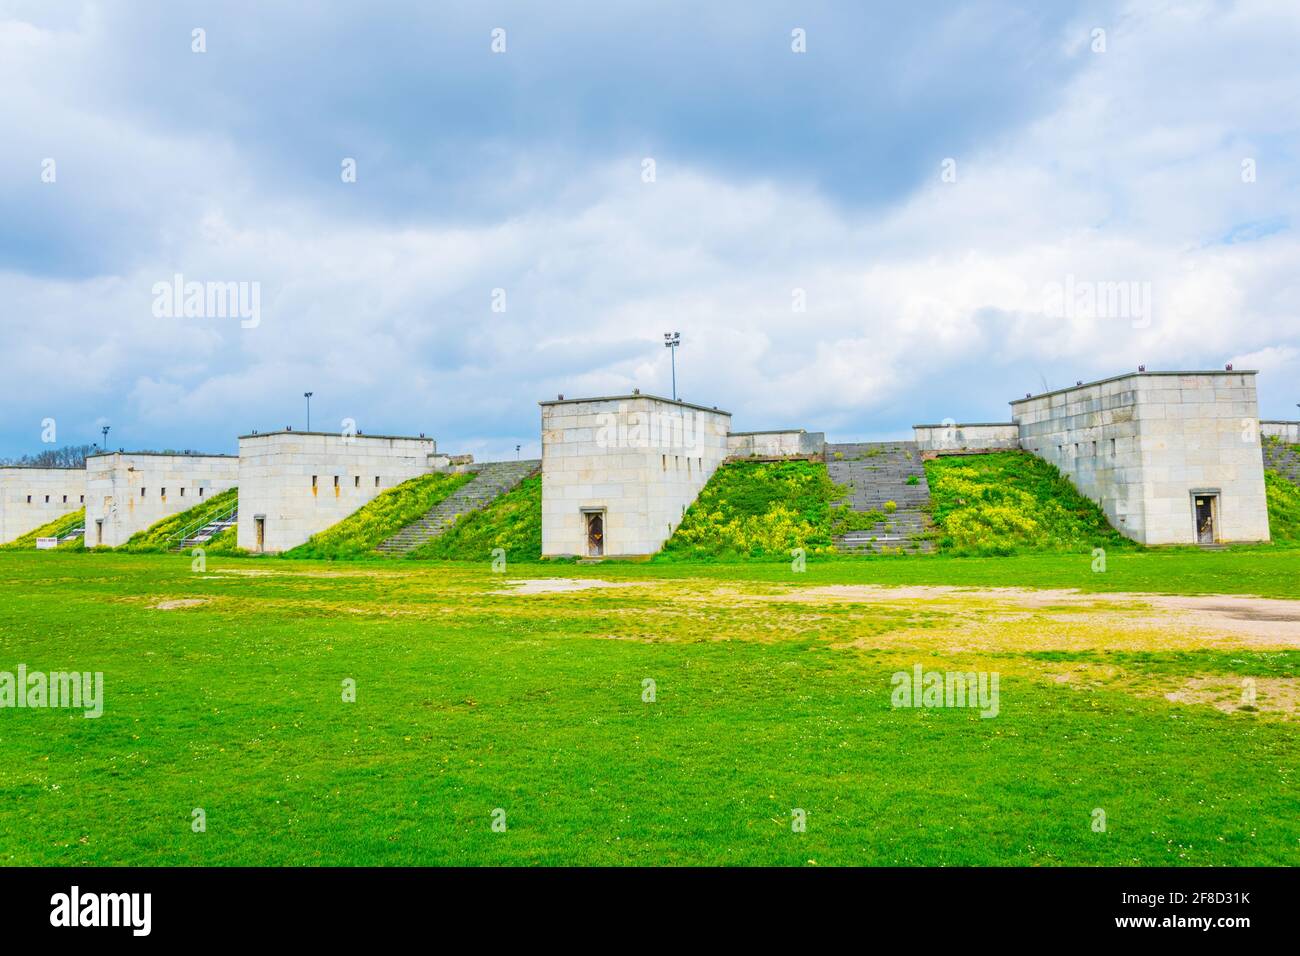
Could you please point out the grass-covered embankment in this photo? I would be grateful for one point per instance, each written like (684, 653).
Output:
(51, 529)
(759, 510)
(513, 523)
(1011, 501)
(162, 536)
(379, 519)
(1283, 508)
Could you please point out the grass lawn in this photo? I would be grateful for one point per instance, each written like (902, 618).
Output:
(769, 697)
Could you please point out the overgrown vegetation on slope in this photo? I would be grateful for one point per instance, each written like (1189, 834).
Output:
(1283, 508)
(1009, 501)
(365, 529)
(53, 529)
(165, 534)
(760, 510)
(513, 522)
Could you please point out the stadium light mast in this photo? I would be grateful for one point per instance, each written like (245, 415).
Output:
(104, 432)
(308, 395)
(671, 341)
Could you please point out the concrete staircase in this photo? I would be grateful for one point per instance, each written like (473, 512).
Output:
(1283, 458)
(491, 480)
(877, 472)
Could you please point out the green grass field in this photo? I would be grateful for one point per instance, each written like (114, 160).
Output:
(769, 697)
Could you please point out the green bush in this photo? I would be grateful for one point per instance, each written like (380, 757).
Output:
(1009, 501)
(383, 516)
(759, 510)
(844, 519)
(53, 529)
(513, 522)
(163, 535)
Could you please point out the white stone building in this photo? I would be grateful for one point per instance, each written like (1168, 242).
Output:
(31, 497)
(294, 484)
(127, 492)
(1171, 457)
(619, 472)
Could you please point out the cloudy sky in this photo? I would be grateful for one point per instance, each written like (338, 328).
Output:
(924, 214)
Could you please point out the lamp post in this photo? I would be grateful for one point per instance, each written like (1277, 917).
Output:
(307, 395)
(104, 432)
(517, 447)
(671, 341)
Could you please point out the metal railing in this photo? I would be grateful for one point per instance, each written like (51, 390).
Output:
(178, 539)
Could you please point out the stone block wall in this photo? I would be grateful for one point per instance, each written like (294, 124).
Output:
(1288, 432)
(299, 483)
(792, 443)
(638, 459)
(973, 437)
(31, 497)
(1143, 445)
(127, 492)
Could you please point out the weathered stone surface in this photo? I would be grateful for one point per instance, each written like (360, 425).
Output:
(31, 497)
(127, 492)
(299, 483)
(1143, 445)
(641, 460)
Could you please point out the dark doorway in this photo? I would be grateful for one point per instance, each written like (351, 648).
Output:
(1205, 519)
(595, 534)
(259, 523)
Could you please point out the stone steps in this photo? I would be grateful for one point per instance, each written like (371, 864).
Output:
(207, 532)
(491, 480)
(876, 473)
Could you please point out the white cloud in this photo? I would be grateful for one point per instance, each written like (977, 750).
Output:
(940, 299)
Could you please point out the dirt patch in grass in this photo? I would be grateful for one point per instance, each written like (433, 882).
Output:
(1158, 620)
(172, 605)
(562, 585)
(1272, 695)
(277, 573)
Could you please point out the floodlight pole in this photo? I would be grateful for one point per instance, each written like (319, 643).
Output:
(671, 341)
(307, 395)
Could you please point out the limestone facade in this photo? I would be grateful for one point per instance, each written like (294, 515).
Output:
(31, 497)
(951, 437)
(625, 468)
(127, 492)
(1152, 447)
(294, 484)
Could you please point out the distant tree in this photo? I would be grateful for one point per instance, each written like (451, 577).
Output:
(74, 456)
(69, 456)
